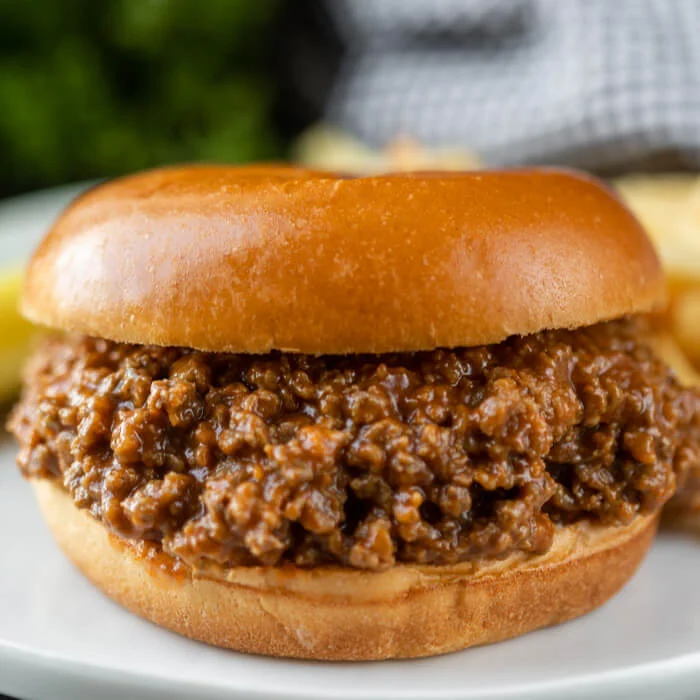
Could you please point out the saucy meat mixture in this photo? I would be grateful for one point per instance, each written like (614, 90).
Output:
(430, 457)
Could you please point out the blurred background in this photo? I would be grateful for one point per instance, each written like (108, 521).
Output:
(94, 89)
(90, 90)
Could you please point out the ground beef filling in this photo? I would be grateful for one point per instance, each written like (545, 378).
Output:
(433, 457)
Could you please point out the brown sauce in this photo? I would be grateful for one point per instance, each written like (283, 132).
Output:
(365, 461)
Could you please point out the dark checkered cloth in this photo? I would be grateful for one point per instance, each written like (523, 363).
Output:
(599, 84)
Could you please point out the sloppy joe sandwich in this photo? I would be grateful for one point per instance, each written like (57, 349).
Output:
(297, 414)
(668, 205)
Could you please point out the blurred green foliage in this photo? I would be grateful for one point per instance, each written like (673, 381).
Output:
(90, 88)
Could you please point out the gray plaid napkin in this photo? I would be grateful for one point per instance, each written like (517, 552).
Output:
(598, 84)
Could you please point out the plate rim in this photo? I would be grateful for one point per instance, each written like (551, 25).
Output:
(41, 667)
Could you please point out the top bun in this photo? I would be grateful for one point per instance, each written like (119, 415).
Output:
(252, 259)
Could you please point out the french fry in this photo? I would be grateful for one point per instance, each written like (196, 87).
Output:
(15, 335)
(669, 208)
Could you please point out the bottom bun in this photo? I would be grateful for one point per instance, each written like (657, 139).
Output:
(335, 613)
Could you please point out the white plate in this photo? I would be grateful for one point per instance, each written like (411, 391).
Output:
(61, 639)
(23, 220)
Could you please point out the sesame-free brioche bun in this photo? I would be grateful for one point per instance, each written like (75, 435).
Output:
(257, 258)
(336, 613)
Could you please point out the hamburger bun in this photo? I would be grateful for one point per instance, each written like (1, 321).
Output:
(335, 613)
(253, 259)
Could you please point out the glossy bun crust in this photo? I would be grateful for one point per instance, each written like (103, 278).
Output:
(333, 613)
(259, 258)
